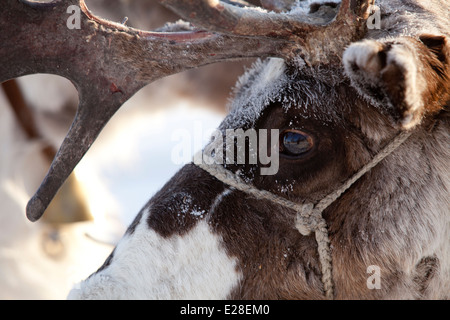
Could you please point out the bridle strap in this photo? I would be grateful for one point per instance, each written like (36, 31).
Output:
(309, 216)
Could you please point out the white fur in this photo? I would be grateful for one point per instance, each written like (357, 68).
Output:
(148, 266)
(363, 54)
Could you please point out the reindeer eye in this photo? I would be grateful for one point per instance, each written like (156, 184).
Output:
(295, 143)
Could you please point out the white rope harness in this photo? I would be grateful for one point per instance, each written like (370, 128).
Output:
(309, 216)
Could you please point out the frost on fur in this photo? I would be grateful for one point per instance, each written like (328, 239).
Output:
(254, 91)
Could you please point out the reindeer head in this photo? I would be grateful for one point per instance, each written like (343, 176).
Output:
(233, 233)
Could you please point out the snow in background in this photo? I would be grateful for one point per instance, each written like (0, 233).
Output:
(130, 165)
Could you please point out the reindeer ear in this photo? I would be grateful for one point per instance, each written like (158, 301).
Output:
(438, 45)
(405, 77)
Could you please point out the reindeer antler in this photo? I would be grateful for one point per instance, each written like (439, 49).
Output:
(315, 39)
(109, 62)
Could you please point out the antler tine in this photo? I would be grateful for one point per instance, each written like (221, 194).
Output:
(309, 36)
(226, 18)
(107, 62)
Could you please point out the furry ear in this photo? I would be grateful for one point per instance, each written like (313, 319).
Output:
(407, 78)
(438, 45)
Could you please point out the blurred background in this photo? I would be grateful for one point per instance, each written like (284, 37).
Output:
(130, 161)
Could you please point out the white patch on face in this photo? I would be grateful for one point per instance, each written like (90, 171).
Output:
(148, 266)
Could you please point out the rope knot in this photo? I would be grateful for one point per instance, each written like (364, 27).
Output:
(305, 221)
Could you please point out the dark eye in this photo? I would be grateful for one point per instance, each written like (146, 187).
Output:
(295, 143)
